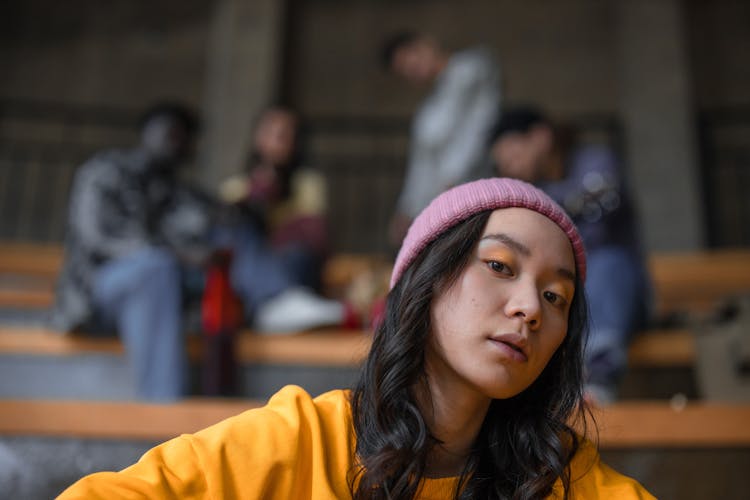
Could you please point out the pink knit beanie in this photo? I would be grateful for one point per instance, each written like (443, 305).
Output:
(461, 202)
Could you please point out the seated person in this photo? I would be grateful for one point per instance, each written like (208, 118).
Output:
(134, 229)
(469, 390)
(132, 226)
(285, 199)
(278, 232)
(588, 182)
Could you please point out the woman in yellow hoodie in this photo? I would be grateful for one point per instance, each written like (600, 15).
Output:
(469, 390)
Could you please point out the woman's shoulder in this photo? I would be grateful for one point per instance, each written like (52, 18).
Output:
(291, 405)
(279, 442)
(592, 478)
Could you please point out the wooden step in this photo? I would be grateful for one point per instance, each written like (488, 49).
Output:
(664, 347)
(329, 347)
(660, 425)
(332, 347)
(684, 282)
(622, 425)
(31, 258)
(26, 297)
(698, 281)
(115, 420)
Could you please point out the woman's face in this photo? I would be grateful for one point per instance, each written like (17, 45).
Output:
(276, 135)
(520, 154)
(496, 327)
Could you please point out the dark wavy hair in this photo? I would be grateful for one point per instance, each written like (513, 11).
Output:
(525, 443)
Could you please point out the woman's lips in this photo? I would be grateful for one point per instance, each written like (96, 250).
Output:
(511, 345)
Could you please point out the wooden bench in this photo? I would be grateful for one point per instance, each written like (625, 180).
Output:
(622, 425)
(698, 281)
(692, 281)
(331, 347)
(42, 260)
(683, 281)
(345, 348)
(27, 274)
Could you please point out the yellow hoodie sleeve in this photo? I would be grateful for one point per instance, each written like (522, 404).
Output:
(591, 479)
(294, 447)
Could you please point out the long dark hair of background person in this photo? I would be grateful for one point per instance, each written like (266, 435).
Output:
(525, 443)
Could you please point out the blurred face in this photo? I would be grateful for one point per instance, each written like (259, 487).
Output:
(497, 326)
(520, 155)
(416, 62)
(167, 141)
(276, 136)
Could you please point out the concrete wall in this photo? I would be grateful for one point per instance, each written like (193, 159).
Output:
(118, 52)
(226, 57)
(218, 57)
(719, 40)
(558, 54)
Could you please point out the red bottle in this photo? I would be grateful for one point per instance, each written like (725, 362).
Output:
(221, 314)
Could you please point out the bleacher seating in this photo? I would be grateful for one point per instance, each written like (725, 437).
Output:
(685, 282)
(622, 425)
(329, 347)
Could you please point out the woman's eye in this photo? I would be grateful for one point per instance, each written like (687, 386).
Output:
(553, 298)
(498, 267)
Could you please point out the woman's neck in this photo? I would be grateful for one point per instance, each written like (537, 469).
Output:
(454, 416)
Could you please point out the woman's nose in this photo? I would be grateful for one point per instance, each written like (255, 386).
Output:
(524, 302)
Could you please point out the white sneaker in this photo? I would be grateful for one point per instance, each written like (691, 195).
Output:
(297, 309)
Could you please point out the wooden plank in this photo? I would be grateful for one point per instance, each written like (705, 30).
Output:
(114, 420)
(44, 342)
(667, 348)
(345, 348)
(31, 258)
(683, 281)
(659, 425)
(698, 281)
(333, 347)
(622, 425)
(26, 298)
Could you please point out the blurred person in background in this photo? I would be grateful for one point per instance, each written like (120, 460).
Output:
(132, 226)
(449, 130)
(283, 197)
(278, 230)
(586, 180)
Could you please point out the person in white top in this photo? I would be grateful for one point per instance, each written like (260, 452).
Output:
(450, 129)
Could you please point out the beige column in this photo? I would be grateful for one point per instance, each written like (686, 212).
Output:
(659, 121)
(242, 74)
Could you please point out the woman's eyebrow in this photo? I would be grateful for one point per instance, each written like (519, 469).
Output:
(567, 274)
(507, 240)
(524, 250)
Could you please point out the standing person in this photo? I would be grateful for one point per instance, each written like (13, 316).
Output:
(588, 182)
(132, 225)
(467, 392)
(449, 131)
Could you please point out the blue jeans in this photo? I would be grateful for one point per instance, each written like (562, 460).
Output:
(618, 292)
(140, 293)
(257, 273)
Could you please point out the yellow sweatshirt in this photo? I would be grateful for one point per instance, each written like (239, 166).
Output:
(295, 447)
